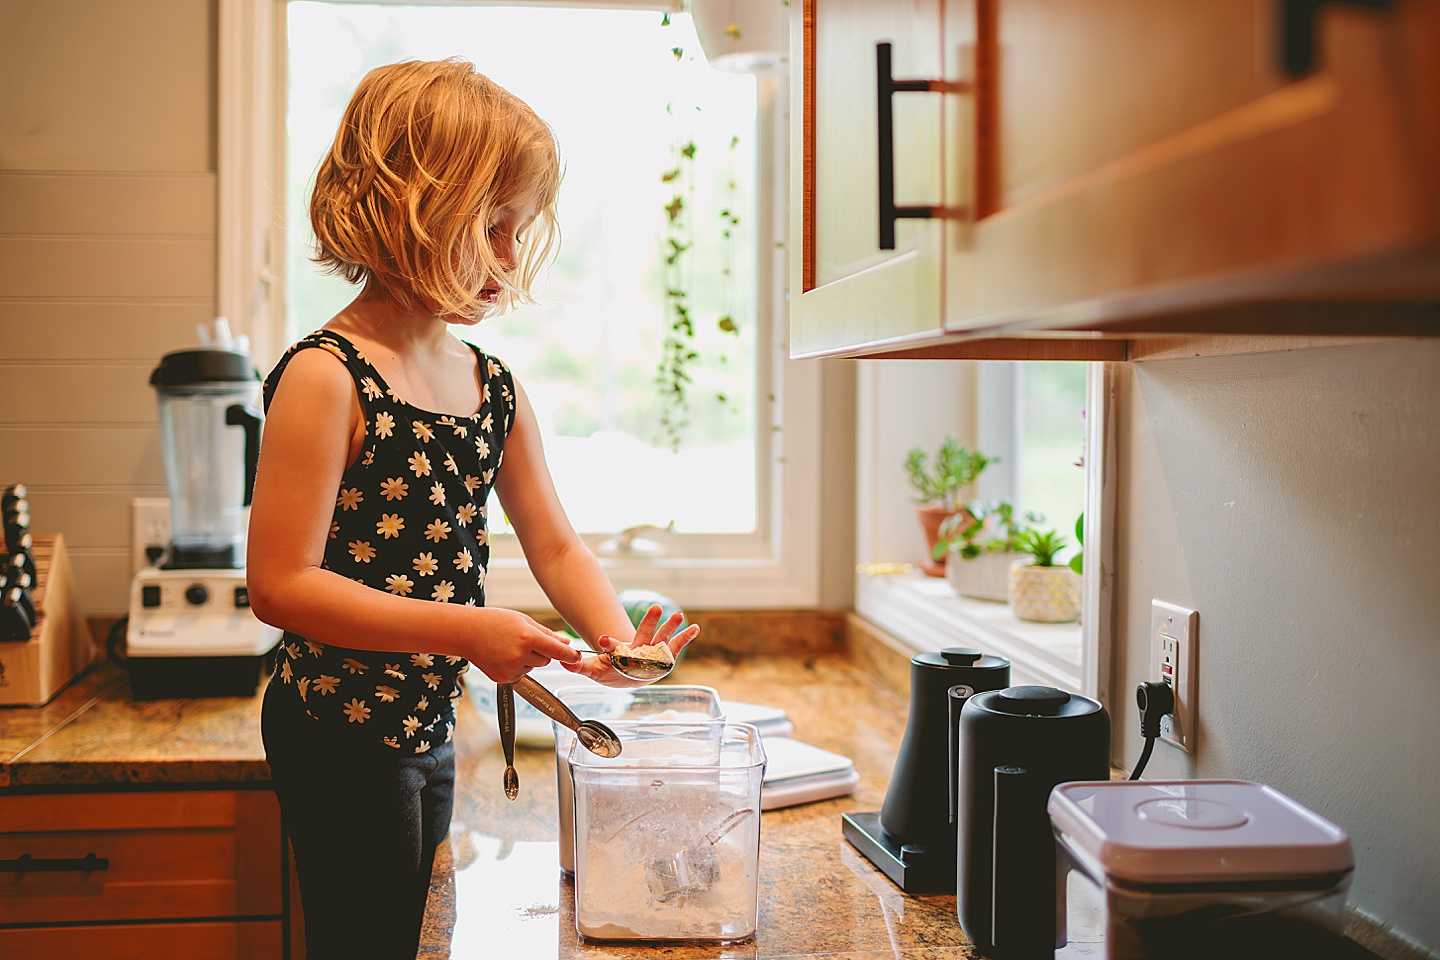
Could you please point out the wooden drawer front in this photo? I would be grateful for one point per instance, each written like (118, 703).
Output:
(249, 940)
(167, 856)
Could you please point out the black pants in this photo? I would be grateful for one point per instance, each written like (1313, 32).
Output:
(364, 823)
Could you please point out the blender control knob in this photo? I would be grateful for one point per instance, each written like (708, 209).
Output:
(197, 594)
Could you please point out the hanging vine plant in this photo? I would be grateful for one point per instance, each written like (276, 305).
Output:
(677, 350)
(678, 353)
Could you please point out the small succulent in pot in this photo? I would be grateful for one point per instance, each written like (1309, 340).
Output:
(1043, 591)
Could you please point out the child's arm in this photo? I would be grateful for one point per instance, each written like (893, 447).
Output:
(313, 430)
(564, 567)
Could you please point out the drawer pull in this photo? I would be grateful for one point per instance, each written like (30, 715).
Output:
(28, 864)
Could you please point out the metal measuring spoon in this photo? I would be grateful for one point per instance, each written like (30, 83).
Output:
(644, 669)
(592, 734)
(505, 712)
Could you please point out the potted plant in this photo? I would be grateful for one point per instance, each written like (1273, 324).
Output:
(938, 484)
(1042, 591)
(981, 548)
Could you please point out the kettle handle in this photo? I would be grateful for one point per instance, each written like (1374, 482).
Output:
(1020, 866)
(239, 415)
(956, 697)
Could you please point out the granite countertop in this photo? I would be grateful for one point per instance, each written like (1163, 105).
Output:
(497, 878)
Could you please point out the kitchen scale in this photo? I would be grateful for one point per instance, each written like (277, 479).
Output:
(190, 631)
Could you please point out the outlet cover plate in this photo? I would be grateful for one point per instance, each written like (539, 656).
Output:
(1174, 636)
(149, 527)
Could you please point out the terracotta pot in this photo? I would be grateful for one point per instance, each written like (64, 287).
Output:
(931, 516)
(1044, 594)
(986, 577)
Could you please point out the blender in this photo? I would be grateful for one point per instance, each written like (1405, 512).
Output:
(191, 632)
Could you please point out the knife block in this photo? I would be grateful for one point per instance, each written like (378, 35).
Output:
(60, 647)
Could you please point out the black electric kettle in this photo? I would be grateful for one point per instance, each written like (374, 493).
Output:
(1015, 745)
(912, 838)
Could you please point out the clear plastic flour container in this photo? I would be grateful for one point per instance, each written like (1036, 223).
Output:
(1192, 869)
(657, 703)
(667, 834)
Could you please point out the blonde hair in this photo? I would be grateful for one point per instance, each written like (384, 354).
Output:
(427, 155)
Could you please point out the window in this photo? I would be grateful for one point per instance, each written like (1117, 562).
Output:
(623, 106)
(1039, 419)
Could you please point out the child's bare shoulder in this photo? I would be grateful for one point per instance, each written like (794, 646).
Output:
(317, 371)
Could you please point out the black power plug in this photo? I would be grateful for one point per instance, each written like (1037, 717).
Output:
(1154, 699)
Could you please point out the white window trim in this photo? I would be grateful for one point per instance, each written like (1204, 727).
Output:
(782, 569)
(925, 614)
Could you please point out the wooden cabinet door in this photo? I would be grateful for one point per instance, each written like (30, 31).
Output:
(1155, 156)
(166, 855)
(851, 291)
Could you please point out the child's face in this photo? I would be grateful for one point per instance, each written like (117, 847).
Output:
(507, 226)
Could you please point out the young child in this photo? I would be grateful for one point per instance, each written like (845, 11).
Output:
(368, 541)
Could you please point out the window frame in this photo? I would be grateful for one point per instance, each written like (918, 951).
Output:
(776, 566)
(922, 612)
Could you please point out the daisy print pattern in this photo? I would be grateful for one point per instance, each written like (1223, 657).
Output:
(409, 519)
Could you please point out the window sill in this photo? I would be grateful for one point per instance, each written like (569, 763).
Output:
(925, 613)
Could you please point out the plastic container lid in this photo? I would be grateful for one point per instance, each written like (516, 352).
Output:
(1159, 832)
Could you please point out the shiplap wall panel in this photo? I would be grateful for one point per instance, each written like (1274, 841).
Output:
(89, 203)
(99, 329)
(113, 458)
(32, 267)
(108, 86)
(90, 519)
(104, 579)
(43, 392)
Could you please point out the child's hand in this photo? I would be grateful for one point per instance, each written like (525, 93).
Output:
(650, 630)
(509, 645)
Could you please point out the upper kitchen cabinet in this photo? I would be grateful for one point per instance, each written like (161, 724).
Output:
(1122, 169)
(854, 288)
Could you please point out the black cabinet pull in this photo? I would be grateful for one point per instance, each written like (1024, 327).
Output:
(1297, 30)
(28, 864)
(887, 86)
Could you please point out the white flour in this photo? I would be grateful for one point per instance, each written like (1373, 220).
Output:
(614, 903)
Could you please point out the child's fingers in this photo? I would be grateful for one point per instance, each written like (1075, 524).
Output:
(645, 629)
(668, 628)
(678, 642)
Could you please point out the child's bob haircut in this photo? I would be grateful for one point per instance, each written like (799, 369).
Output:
(427, 156)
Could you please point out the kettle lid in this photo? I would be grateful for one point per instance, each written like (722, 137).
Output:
(960, 658)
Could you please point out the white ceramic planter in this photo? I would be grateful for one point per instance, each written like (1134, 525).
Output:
(986, 577)
(1044, 594)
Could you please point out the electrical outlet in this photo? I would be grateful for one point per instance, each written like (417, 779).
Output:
(1174, 632)
(149, 530)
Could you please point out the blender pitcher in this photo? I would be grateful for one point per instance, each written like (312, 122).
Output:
(210, 439)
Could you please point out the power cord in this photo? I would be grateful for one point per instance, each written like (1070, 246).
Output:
(1154, 699)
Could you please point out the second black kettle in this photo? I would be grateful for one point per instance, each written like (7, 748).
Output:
(1015, 745)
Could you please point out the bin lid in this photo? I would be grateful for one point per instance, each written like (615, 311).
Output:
(1160, 832)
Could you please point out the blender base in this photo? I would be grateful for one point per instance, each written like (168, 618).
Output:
(914, 868)
(163, 678)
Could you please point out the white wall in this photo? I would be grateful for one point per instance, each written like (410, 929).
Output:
(107, 255)
(1294, 500)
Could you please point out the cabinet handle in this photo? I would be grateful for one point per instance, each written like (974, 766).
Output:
(1297, 30)
(887, 86)
(28, 864)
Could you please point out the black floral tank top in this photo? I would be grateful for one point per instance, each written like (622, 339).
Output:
(409, 519)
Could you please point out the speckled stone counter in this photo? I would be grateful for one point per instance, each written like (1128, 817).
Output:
(94, 734)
